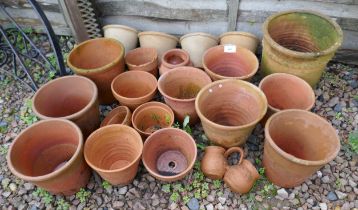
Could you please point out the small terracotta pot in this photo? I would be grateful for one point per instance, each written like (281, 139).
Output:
(114, 152)
(174, 58)
(133, 88)
(179, 88)
(241, 64)
(297, 144)
(152, 116)
(49, 154)
(126, 35)
(73, 98)
(229, 110)
(119, 115)
(143, 59)
(169, 154)
(101, 60)
(214, 163)
(240, 39)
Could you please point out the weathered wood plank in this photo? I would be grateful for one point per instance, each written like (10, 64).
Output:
(46, 5)
(335, 1)
(233, 7)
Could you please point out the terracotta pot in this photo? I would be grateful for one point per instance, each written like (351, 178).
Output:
(241, 64)
(297, 144)
(143, 59)
(119, 115)
(196, 44)
(49, 154)
(241, 177)
(179, 88)
(229, 110)
(169, 154)
(152, 116)
(114, 152)
(133, 88)
(101, 60)
(174, 58)
(240, 39)
(299, 42)
(72, 98)
(214, 163)
(126, 35)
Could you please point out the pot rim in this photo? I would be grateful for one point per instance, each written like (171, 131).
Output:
(225, 127)
(242, 33)
(297, 54)
(108, 26)
(291, 157)
(57, 172)
(114, 112)
(207, 35)
(215, 147)
(71, 116)
(100, 69)
(158, 34)
(154, 59)
(179, 51)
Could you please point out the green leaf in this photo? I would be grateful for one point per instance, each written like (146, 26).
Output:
(186, 121)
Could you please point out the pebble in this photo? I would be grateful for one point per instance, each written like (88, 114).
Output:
(173, 206)
(13, 187)
(209, 207)
(346, 206)
(332, 196)
(193, 204)
(222, 200)
(325, 179)
(210, 198)
(282, 193)
(117, 204)
(6, 194)
(28, 186)
(333, 101)
(304, 187)
(123, 190)
(5, 183)
(319, 174)
(341, 195)
(323, 206)
(352, 183)
(155, 202)
(338, 108)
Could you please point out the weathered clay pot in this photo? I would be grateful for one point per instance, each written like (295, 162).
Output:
(196, 44)
(229, 110)
(101, 60)
(118, 115)
(297, 144)
(179, 88)
(126, 35)
(214, 163)
(143, 59)
(114, 152)
(73, 98)
(49, 154)
(133, 88)
(241, 64)
(169, 154)
(299, 42)
(174, 58)
(152, 116)
(240, 39)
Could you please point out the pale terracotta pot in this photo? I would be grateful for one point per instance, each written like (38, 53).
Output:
(213, 164)
(174, 58)
(240, 39)
(118, 115)
(143, 59)
(126, 35)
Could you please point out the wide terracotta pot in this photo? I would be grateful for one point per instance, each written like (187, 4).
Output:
(101, 60)
(169, 154)
(114, 152)
(297, 144)
(119, 115)
(152, 116)
(72, 98)
(299, 42)
(126, 35)
(143, 59)
(174, 58)
(220, 64)
(49, 154)
(240, 39)
(133, 88)
(229, 110)
(179, 88)
(214, 162)
(196, 44)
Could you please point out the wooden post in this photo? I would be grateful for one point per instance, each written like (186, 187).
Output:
(233, 7)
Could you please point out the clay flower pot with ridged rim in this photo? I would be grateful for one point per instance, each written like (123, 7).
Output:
(72, 98)
(152, 116)
(101, 60)
(229, 110)
(297, 144)
(240, 39)
(126, 35)
(196, 44)
(114, 152)
(174, 58)
(118, 115)
(143, 59)
(241, 64)
(133, 88)
(169, 154)
(179, 88)
(49, 154)
(299, 42)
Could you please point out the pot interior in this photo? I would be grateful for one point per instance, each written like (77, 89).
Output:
(134, 84)
(116, 116)
(151, 119)
(141, 56)
(175, 57)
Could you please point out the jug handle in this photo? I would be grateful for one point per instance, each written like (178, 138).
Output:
(235, 149)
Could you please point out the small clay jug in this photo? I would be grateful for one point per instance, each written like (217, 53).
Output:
(119, 115)
(214, 163)
(143, 59)
(174, 58)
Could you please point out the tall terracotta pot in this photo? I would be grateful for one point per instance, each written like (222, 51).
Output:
(119, 115)
(101, 60)
(126, 35)
(73, 98)
(49, 154)
(240, 39)
(143, 59)
(174, 58)
(297, 144)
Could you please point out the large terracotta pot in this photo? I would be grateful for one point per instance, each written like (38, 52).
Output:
(299, 42)
(179, 88)
(133, 88)
(174, 58)
(297, 144)
(101, 60)
(73, 98)
(143, 59)
(240, 39)
(169, 154)
(126, 35)
(214, 162)
(118, 115)
(219, 64)
(229, 110)
(49, 154)
(114, 152)
(196, 44)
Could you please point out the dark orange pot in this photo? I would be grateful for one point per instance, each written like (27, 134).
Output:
(174, 58)
(119, 115)
(143, 59)
(214, 162)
